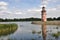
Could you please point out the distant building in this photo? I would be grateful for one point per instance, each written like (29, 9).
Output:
(43, 15)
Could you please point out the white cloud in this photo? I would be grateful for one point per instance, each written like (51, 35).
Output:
(51, 9)
(3, 6)
(34, 12)
(51, 12)
(3, 3)
(46, 2)
(18, 12)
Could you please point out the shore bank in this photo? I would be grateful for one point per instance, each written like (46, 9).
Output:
(47, 23)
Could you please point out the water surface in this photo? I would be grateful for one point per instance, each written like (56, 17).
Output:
(28, 31)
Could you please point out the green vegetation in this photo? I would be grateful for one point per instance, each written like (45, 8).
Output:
(28, 19)
(21, 19)
(33, 32)
(39, 32)
(33, 39)
(56, 35)
(6, 29)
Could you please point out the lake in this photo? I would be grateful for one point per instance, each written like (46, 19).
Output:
(28, 31)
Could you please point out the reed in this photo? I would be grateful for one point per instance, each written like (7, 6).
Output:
(7, 28)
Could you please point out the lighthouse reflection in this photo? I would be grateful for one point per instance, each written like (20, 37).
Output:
(44, 34)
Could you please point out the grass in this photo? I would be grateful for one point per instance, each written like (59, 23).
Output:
(7, 29)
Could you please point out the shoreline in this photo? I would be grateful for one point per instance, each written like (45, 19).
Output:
(47, 23)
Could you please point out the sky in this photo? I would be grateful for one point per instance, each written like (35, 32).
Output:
(28, 8)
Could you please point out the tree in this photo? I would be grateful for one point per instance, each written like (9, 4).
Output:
(58, 18)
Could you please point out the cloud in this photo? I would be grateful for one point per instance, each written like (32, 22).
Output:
(44, 3)
(6, 13)
(18, 12)
(4, 8)
(34, 12)
(3, 5)
(51, 12)
(47, 2)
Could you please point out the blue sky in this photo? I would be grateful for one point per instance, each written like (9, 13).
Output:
(28, 8)
(23, 4)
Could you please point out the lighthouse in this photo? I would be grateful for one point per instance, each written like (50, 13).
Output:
(43, 15)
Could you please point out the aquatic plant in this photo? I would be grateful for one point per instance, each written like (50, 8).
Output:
(33, 31)
(56, 27)
(39, 32)
(33, 39)
(56, 35)
(7, 28)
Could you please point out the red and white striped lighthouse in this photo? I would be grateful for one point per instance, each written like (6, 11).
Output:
(43, 15)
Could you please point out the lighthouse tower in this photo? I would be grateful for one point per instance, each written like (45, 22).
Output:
(43, 14)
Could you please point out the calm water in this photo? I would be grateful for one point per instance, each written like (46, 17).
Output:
(28, 31)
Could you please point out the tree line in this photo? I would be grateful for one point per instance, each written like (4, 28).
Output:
(28, 19)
